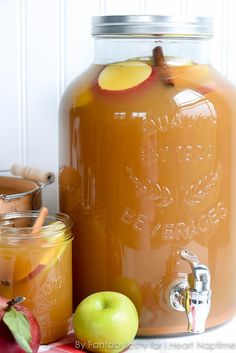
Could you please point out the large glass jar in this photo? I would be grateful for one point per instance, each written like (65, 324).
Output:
(147, 136)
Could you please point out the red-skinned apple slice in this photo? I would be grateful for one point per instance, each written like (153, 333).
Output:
(124, 75)
(195, 75)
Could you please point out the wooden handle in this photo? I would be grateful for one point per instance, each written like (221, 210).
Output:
(33, 173)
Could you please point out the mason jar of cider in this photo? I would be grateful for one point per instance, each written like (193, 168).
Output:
(36, 263)
(147, 173)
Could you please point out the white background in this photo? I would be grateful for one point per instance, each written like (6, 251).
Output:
(44, 44)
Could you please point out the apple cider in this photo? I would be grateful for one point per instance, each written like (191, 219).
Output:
(39, 268)
(147, 136)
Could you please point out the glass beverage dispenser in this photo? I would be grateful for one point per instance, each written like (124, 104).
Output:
(147, 136)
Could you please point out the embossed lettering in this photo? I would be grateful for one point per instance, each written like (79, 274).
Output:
(135, 115)
(148, 154)
(186, 154)
(194, 153)
(177, 231)
(148, 127)
(137, 221)
(120, 115)
(156, 229)
(176, 122)
(193, 230)
(168, 231)
(140, 222)
(164, 153)
(162, 123)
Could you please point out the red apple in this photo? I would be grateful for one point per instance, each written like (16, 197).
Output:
(19, 330)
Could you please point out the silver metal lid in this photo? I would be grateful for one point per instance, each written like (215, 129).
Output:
(138, 25)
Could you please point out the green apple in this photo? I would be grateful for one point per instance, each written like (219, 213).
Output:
(105, 322)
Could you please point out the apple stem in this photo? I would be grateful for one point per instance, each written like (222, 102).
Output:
(16, 300)
(164, 70)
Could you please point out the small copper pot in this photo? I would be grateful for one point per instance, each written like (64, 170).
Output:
(23, 193)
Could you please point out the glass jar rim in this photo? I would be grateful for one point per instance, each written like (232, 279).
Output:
(152, 25)
(25, 233)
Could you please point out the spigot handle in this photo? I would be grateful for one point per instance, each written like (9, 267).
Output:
(193, 297)
(199, 279)
(191, 258)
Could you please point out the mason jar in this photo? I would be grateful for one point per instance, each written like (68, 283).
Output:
(37, 265)
(147, 163)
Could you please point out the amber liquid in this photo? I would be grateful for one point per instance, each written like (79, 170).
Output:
(44, 277)
(146, 172)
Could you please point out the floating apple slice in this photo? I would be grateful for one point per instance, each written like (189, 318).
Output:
(54, 252)
(50, 259)
(83, 98)
(124, 75)
(178, 61)
(196, 75)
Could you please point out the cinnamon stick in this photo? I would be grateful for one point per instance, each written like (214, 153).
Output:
(36, 228)
(163, 68)
(40, 220)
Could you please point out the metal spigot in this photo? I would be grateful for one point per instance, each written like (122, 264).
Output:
(193, 295)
